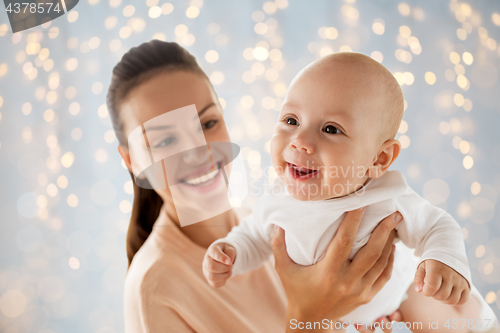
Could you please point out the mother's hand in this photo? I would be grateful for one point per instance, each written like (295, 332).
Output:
(335, 286)
(383, 323)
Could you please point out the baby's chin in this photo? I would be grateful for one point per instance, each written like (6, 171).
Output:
(305, 195)
(311, 192)
(312, 197)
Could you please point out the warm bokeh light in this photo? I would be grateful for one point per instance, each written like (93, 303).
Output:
(430, 78)
(72, 200)
(378, 26)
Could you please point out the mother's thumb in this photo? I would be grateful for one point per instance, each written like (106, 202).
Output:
(278, 245)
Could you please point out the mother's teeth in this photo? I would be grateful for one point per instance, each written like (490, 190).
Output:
(203, 179)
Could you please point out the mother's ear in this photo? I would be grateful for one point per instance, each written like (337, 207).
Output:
(387, 154)
(125, 156)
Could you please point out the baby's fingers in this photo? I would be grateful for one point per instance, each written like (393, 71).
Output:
(432, 283)
(419, 277)
(464, 296)
(445, 292)
(216, 253)
(210, 265)
(217, 280)
(454, 297)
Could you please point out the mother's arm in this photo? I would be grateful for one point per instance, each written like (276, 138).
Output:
(335, 286)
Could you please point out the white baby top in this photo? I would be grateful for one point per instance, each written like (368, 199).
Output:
(310, 225)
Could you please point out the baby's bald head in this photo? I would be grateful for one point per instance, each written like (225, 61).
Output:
(341, 112)
(365, 78)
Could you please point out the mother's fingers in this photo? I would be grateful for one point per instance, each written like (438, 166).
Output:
(364, 329)
(281, 258)
(385, 275)
(380, 265)
(370, 329)
(395, 316)
(340, 246)
(369, 254)
(383, 324)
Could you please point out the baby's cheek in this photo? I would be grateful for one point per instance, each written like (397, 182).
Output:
(345, 179)
(340, 187)
(276, 152)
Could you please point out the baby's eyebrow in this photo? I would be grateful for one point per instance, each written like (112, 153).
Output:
(346, 116)
(340, 117)
(291, 104)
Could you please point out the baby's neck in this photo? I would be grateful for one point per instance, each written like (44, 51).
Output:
(361, 188)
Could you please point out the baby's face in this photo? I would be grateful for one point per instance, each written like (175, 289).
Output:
(328, 133)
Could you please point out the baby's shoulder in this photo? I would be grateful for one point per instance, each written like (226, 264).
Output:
(269, 193)
(275, 189)
(242, 212)
(273, 198)
(392, 184)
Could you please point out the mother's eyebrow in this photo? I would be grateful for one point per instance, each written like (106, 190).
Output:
(205, 109)
(153, 128)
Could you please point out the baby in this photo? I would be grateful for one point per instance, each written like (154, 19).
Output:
(331, 149)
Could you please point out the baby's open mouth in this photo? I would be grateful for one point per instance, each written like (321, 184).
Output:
(301, 172)
(203, 179)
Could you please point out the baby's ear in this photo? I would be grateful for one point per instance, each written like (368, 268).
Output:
(387, 154)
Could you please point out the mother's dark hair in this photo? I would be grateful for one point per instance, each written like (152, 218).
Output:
(137, 66)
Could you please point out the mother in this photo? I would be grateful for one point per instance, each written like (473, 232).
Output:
(165, 289)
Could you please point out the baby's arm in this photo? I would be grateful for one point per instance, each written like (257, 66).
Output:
(250, 241)
(437, 238)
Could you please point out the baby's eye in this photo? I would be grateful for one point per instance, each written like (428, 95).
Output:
(330, 129)
(292, 121)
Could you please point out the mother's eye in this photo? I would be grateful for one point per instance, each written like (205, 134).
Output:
(330, 129)
(209, 124)
(292, 121)
(167, 142)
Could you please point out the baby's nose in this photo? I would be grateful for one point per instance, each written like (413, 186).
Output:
(301, 144)
(305, 149)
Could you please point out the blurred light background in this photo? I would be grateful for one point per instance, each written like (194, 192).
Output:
(65, 197)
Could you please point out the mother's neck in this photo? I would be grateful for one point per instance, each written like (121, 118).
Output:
(205, 232)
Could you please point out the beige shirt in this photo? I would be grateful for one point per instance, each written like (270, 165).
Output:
(165, 291)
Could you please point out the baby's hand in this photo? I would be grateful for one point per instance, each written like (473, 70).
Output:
(218, 263)
(441, 282)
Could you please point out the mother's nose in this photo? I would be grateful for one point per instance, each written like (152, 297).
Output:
(196, 156)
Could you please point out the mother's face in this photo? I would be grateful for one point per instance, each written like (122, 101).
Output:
(166, 92)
